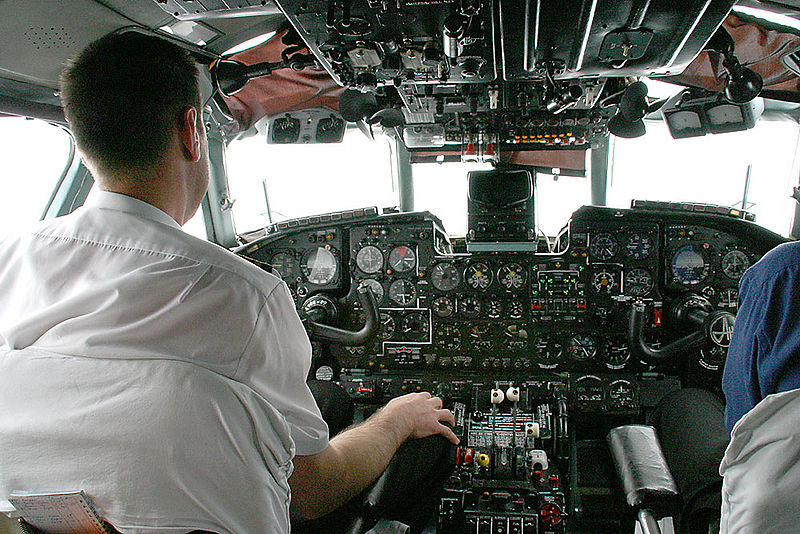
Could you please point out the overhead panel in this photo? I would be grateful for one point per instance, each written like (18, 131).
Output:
(368, 42)
(604, 37)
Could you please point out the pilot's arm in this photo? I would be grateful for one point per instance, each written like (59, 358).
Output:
(762, 358)
(275, 363)
(322, 482)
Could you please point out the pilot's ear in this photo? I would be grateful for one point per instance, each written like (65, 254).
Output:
(189, 134)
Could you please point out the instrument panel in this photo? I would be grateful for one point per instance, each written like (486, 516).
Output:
(517, 312)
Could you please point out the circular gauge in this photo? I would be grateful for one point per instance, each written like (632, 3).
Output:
(376, 288)
(511, 276)
(713, 358)
(444, 276)
(728, 299)
(516, 309)
(622, 395)
(442, 307)
(469, 307)
(588, 392)
(478, 276)
(480, 337)
(603, 246)
(284, 263)
(319, 266)
(734, 263)
(548, 351)
(387, 327)
(415, 326)
(639, 246)
(604, 282)
(494, 308)
(515, 337)
(330, 130)
(402, 292)
(369, 259)
(689, 266)
(402, 259)
(618, 356)
(638, 282)
(582, 347)
(448, 337)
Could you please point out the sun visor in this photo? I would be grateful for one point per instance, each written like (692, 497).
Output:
(758, 48)
(283, 90)
(569, 162)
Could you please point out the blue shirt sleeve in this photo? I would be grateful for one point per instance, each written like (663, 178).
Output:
(764, 355)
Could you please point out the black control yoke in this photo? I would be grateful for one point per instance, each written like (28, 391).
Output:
(317, 309)
(692, 311)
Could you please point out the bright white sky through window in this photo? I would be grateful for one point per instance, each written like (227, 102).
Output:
(33, 154)
(308, 179)
(711, 169)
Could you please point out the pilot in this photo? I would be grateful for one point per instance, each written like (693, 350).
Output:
(763, 354)
(119, 281)
(761, 382)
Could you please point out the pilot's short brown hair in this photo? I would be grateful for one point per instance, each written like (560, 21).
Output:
(124, 94)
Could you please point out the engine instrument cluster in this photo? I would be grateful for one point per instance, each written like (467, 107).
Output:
(549, 332)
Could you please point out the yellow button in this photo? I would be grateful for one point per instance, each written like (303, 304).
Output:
(483, 460)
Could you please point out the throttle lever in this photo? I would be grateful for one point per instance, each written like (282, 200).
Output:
(323, 332)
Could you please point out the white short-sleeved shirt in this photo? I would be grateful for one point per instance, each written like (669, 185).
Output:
(119, 281)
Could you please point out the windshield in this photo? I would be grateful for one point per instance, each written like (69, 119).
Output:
(271, 183)
(755, 170)
(712, 169)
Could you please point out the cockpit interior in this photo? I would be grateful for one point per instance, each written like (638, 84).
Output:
(541, 337)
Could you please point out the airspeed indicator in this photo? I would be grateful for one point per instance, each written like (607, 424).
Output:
(402, 259)
(284, 263)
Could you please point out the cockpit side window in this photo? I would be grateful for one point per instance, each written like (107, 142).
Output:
(35, 155)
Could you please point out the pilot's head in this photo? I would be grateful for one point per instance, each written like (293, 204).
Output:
(133, 104)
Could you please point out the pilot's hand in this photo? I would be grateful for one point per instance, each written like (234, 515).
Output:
(421, 415)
